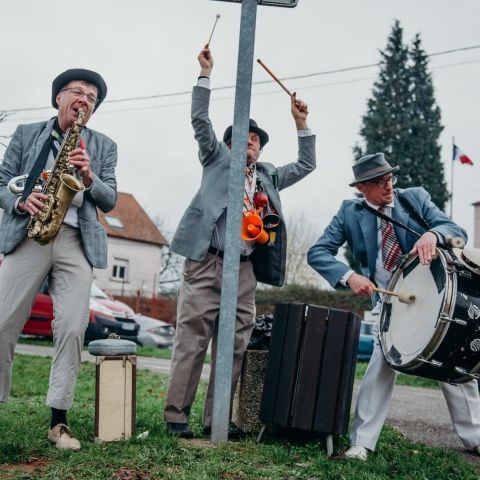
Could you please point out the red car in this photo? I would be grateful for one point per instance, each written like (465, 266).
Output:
(106, 316)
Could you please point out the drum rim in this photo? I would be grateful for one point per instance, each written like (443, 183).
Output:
(442, 326)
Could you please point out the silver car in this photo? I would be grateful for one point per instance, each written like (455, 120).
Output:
(154, 333)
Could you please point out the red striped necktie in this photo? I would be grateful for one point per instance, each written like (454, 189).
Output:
(391, 251)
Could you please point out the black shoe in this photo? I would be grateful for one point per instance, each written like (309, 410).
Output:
(180, 430)
(234, 433)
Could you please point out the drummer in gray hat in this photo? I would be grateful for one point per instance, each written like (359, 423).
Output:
(79, 245)
(200, 238)
(378, 246)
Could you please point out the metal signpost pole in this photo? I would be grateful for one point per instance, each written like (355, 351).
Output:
(231, 260)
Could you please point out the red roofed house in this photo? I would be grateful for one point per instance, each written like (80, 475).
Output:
(134, 250)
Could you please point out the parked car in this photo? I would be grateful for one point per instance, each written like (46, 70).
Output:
(99, 299)
(106, 316)
(365, 342)
(154, 333)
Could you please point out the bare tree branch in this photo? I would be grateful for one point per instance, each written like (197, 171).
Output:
(3, 117)
(301, 236)
(171, 263)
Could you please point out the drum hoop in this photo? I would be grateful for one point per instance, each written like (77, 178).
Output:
(441, 329)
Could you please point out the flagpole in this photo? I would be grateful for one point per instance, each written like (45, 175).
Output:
(451, 177)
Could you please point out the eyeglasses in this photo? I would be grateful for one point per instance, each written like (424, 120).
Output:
(77, 93)
(382, 182)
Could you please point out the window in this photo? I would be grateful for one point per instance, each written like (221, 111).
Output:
(114, 222)
(120, 269)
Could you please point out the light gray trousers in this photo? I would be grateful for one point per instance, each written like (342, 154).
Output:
(197, 321)
(376, 391)
(21, 275)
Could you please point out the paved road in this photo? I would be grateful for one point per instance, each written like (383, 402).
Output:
(421, 414)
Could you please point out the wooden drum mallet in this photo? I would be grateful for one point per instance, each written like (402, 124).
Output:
(408, 298)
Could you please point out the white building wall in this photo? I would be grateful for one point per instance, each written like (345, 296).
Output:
(476, 226)
(144, 263)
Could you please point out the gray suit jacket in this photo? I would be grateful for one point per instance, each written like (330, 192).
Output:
(357, 226)
(194, 233)
(19, 158)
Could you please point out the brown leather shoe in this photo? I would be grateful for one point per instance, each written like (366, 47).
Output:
(63, 438)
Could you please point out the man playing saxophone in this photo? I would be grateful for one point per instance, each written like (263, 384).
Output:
(79, 245)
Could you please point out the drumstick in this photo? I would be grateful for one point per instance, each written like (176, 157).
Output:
(402, 297)
(213, 29)
(304, 109)
(274, 77)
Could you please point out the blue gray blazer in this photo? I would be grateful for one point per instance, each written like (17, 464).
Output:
(194, 233)
(20, 156)
(356, 226)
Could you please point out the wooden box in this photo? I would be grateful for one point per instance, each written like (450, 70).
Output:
(115, 402)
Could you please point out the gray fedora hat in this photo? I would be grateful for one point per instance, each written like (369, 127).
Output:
(371, 166)
(82, 74)
(252, 127)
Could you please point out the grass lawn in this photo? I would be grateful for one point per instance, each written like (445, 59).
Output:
(402, 379)
(26, 454)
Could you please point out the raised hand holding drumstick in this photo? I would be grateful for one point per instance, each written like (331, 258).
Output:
(299, 112)
(205, 60)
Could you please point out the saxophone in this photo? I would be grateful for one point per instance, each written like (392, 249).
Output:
(60, 189)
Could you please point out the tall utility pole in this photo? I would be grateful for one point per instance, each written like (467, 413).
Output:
(231, 259)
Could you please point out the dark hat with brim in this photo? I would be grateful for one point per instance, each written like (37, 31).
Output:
(252, 127)
(79, 74)
(371, 166)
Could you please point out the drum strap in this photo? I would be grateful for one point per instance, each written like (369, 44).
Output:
(411, 210)
(391, 220)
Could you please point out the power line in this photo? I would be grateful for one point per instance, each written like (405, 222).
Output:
(262, 82)
(254, 94)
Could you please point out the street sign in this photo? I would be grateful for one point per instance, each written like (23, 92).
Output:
(270, 3)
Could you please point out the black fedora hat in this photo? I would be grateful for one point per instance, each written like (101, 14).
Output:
(371, 166)
(252, 127)
(79, 74)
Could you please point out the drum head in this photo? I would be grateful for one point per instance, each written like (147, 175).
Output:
(407, 329)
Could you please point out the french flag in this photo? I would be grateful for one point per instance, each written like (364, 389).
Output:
(459, 155)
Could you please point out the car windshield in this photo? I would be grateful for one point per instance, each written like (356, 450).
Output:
(95, 292)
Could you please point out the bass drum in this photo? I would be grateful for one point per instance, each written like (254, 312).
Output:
(438, 335)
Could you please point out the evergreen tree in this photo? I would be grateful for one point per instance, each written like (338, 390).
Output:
(427, 168)
(386, 122)
(402, 118)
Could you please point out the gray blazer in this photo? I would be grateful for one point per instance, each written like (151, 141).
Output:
(357, 226)
(26, 143)
(194, 233)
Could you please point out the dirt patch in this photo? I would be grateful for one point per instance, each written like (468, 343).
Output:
(198, 442)
(129, 474)
(34, 464)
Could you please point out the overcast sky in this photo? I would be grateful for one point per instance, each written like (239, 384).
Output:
(150, 47)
